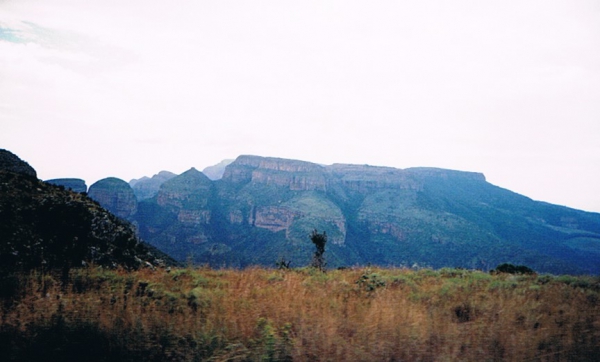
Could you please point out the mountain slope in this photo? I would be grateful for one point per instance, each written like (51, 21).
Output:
(45, 226)
(263, 209)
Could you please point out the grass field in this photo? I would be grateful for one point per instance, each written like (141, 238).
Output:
(258, 314)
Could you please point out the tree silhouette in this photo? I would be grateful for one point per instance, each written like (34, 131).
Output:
(319, 240)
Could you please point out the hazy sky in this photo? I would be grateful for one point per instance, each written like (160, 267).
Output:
(100, 88)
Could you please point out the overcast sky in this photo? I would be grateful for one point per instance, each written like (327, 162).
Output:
(100, 88)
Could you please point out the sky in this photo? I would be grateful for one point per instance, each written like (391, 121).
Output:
(99, 88)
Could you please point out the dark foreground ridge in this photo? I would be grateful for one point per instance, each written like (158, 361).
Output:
(44, 226)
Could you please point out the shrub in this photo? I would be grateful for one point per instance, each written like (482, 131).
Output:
(512, 269)
(370, 281)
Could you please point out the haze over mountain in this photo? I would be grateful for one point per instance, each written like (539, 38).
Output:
(263, 209)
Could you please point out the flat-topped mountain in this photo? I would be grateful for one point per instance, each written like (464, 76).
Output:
(74, 184)
(263, 209)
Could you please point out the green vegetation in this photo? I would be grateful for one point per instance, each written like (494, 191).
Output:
(256, 314)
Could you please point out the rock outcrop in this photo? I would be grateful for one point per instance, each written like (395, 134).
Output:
(115, 195)
(12, 163)
(273, 218)
(292, 174)
(73, 184)
(147, 187)
(366, 179)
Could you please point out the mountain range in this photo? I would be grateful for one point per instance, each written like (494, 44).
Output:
(260, 210)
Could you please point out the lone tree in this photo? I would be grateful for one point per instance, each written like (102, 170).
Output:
(319, 240)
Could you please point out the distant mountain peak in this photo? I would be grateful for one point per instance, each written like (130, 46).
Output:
(215, 172)
(147, 187)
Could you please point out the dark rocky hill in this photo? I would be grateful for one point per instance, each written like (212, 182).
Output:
(46, 226)
(12, 163)
(263, 209)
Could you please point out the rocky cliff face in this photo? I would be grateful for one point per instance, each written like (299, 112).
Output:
(12, 163)
(365, 179)
(73, 184)
(295, 175)
(273, 218)
(147, 187)
(116, 196)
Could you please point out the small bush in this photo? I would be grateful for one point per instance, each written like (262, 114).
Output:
(464, 313)
(513, 269)
(370, 281)
(198, 298)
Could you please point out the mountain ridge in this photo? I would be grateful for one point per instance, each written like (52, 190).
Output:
(262, 209)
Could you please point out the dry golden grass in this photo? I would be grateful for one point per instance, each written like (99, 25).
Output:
(257, 314)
